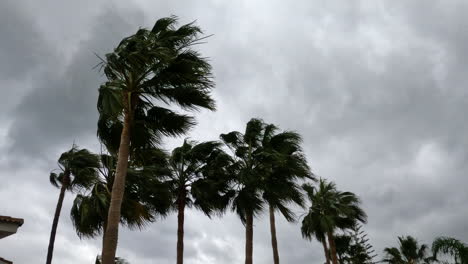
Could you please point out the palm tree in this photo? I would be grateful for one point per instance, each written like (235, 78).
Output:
(149, 67)
(146, 197)
(408, 252)
(197, 180)
(331, 210)
(288, 164)
(451, 246)
(312, 228)
(77, 170)
(247, 172)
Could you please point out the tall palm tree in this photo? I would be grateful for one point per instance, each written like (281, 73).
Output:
(247, 172)
(197, 179)
(331, 210)
(146, 71)
(451, 246)
(288, 165)
(146, 197)
(77, 170)
(409, 251)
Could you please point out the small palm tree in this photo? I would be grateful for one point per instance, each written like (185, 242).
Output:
(331, 210)
(77, 170)
(247, 170)
(288, 165)
(451, 246)
(409, 251)
(146, 71)
(197, 179)
(312, 228)
(146, 197)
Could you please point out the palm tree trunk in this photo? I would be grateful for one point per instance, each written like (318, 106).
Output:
(58, 209)
(331, 242)
(180, 229)
(274, 242)
(249, 238)
(110, 241)
(104, 229)
(325, 250)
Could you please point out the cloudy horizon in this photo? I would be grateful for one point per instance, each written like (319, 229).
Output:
(377, 89)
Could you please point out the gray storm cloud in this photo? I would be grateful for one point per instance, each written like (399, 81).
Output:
(376, 88)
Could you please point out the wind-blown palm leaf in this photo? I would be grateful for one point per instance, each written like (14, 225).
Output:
(146, 197)
(409, 251)
(451, 246)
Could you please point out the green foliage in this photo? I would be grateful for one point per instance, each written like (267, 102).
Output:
(352, 247)
(146, 196)
(330, 210)
(77, 169)
(409, 251)
(198, 176)
(145, 73)
(266, 165)
(287, 164)
(247, 168)
(451, 246)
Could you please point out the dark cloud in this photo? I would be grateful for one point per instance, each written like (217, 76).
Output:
(376, 89)
(23, 47)
(62, 107)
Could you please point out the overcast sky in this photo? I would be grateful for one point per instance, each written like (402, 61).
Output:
(376, 88)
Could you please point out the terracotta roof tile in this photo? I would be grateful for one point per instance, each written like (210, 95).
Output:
(8, 219)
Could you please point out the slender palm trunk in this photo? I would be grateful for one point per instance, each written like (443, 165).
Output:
(249, 238)
(104, 229)
(331, 242)
(274, 242)
(180, 228)
(58, 209)
(325, 250)
(111, 237)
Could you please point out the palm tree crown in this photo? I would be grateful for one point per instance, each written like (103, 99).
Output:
(451, 246)
(409, 251)
(288, 165)
(77, 169)
(146, 196)
(147, 71)
(196, 176)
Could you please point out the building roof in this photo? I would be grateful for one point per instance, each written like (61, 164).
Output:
(5, 261)
(9, 219)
